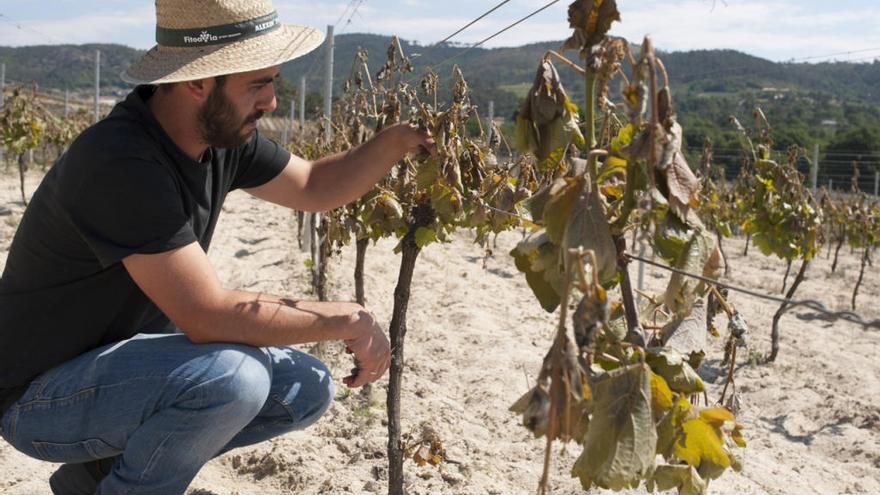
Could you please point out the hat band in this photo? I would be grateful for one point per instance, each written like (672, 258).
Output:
(216, 35)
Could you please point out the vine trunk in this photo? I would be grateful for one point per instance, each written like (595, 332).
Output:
(774, 334)
(410, 252)
(865, 259)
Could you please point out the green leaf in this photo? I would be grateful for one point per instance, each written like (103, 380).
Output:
(424, 236)
(619, 446)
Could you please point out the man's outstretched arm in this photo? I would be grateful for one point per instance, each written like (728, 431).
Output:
(184, 285)
(341, 178)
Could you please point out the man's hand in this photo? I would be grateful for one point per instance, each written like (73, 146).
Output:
(417, 140)
(371, 349)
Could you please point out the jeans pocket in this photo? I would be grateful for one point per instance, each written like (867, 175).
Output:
(84, 451)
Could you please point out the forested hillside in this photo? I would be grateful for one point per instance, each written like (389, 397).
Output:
(835, 105)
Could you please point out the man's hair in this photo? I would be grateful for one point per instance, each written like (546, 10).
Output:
(166, 87)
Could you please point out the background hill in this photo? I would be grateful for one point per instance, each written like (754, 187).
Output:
(835, 105)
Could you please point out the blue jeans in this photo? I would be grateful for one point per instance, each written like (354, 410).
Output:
(164, 406)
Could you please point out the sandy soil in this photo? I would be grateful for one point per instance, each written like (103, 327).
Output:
(476, 338)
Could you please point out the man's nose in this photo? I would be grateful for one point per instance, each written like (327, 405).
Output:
(267, 102)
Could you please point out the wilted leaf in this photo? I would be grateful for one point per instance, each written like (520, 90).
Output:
(587, 227)
(682, 291)
(684, 478)
(673, 367)
(619, 446)
(563, 195)
(548, 121)
(670, 237)
(687, 334)
(538, 259)
(591, 20)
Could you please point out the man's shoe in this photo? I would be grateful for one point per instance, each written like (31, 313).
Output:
(80, 479)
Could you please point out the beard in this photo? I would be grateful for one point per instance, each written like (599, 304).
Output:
(220, 125)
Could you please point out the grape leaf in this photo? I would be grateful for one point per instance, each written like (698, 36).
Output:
(687, 334)
(682, 291)
(674, 368)
(699, 444)
(669, 428)
(661, 396)
(684, 478)
(619, 446)
(591, 20)
(538, 259)
(588, 228)
(547, 121)
(563, 194)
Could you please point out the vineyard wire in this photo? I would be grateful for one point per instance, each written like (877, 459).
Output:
(813, 304)
(479, 43)
(493, 9)
(24, 27)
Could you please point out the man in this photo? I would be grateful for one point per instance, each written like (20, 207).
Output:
(121, 354)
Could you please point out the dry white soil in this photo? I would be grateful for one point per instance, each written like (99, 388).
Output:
(476, 338)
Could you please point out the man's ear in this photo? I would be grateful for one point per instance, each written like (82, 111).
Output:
(200, 88)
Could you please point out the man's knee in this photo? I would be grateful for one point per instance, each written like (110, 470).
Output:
(303, 389)
(234, 380)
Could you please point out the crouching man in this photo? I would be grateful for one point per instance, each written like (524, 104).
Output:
(121, 355)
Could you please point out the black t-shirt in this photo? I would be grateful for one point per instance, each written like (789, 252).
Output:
(122, 188)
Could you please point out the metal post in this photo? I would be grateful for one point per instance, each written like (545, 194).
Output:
(285, 127)
(491, 112)
(302, 103)
(328, 85)
(641, 280)
(830, 184)
(97, 85)
(66, 103)
(876, 182)
(2, 84)
(814, 167)
(291, 119)
(2, 96)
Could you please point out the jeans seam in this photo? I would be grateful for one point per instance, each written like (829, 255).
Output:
(151, 462)
(58, 401)
(286, 406)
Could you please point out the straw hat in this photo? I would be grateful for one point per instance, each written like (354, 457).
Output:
(204, 38)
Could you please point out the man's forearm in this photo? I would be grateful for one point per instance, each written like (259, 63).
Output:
(264, 320)
(344, 177)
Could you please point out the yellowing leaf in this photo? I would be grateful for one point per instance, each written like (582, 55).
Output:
(716, 416)
(672, 366)
(700, 443)
(661, 395)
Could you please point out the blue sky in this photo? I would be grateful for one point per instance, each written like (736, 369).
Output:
(808, 30)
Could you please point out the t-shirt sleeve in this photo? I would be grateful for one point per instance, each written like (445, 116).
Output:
(260, 161)
(133, 206)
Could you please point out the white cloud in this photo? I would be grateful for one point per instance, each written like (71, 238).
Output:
(774, 29)
(122, 26)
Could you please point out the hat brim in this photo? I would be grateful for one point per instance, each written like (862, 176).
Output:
(162, 64)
